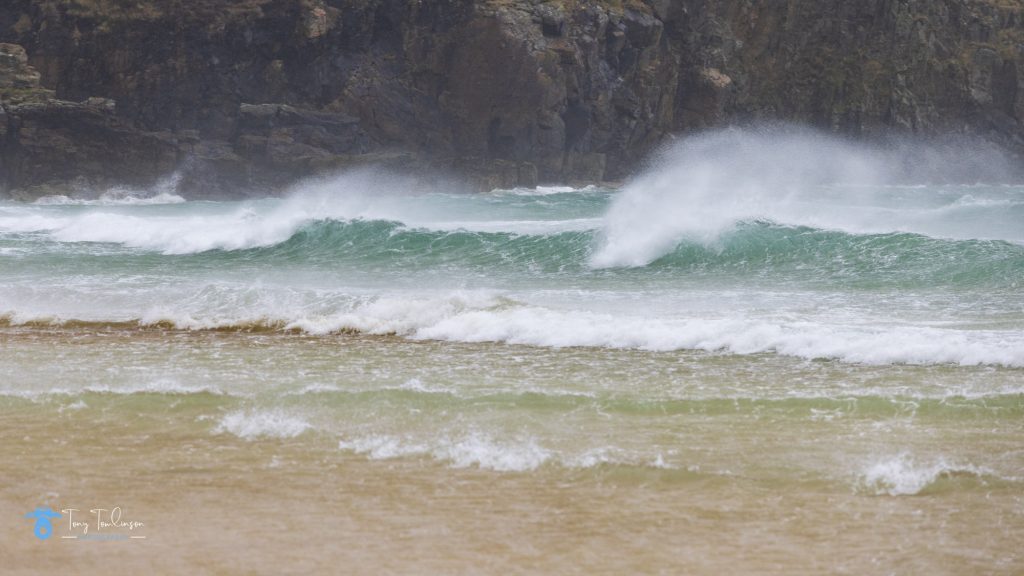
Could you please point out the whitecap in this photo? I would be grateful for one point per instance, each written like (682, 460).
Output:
(903, 475)
(253, 424)
(705, 185)
(471, 450)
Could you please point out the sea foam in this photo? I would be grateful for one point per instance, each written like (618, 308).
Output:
(705, 185)
(482, 318)
(469, 450)
(253, 424)
(904, 476)
(490, 316)
(159, 386)
(352, 196)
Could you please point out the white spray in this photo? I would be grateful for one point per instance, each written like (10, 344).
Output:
(704, 185)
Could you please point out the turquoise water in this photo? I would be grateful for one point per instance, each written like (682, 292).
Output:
(884, 274)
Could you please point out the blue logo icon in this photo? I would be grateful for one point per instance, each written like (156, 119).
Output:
(43, 516)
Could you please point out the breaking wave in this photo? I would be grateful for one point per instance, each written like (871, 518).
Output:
(475, 317)
(749, 248)
(905, 476)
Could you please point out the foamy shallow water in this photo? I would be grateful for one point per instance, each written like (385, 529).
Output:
(633, 460)
(512, 408)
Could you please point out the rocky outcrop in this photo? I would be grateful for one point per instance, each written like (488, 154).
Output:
(247, 95)
(55, 146)
(862, 68)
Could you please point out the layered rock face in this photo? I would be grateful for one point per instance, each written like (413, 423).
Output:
(52, 146)
(243, 96)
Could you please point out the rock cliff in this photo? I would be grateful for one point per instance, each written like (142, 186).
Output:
(243, 96)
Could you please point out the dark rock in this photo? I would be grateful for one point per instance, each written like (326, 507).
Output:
(587, 168)
(54, 143)
(4, 172)
(19, 82)
(552, 19)
(51, 146)
(243, 96)
(14, 69)
(491, 174)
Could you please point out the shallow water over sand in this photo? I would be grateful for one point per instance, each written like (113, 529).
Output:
(381, 454)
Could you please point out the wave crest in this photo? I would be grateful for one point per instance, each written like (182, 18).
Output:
(703, 186)
(904, 476)
(480, 317)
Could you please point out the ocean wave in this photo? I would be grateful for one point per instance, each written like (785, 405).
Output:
(703, 186)
(161, 319)
(261, 224)
(669, 221)
(470, 450)
(547, 190)
(112, 199)
(160, 386)
(413, 385)
(798, 252)
(761, 248)
(550, 328)
(485, 317)
(750, 248)
(255, 424)
(162, 192)
(903, 475)
(972, 201)
(475, 449)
